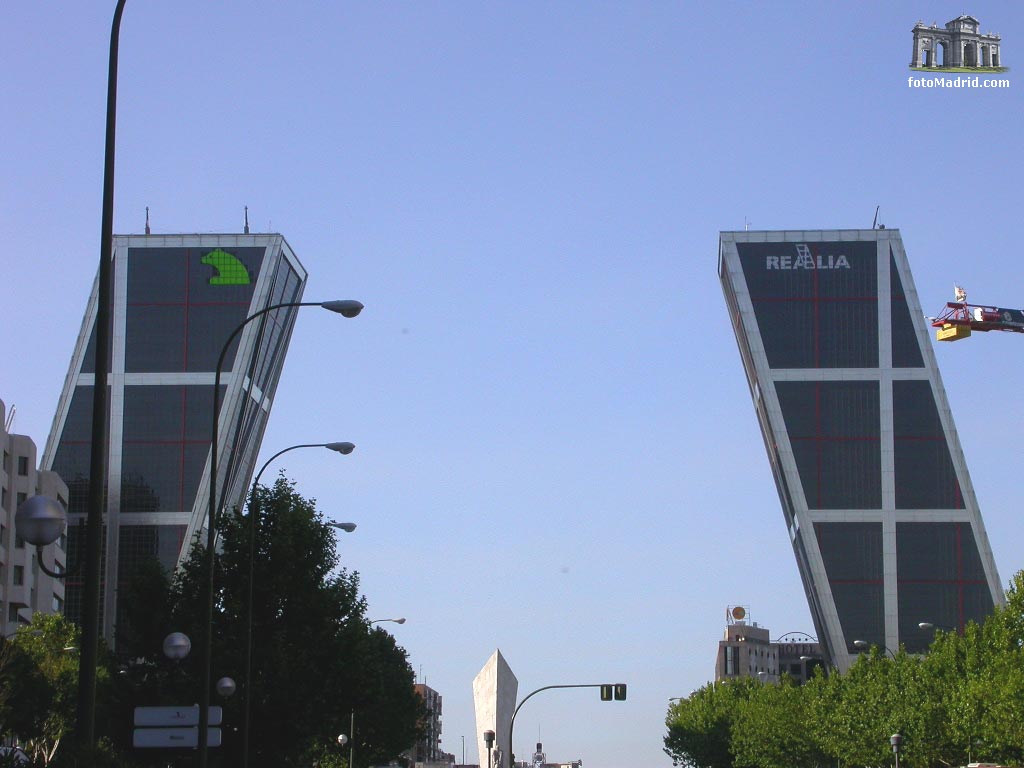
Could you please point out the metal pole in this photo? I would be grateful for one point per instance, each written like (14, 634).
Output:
(512, 722)
(352, 740)
(211, 533)
(85, 729)
(254, 512)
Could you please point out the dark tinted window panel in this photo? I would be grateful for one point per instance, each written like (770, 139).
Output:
(199, 412)
(847, 334)
(153, 413)
(78, 424)
(151, 478)
(157, 275)
(937, 551)
(787, 332)
(209, 327)
(940, 577)
(71, 462)
(914, 410)
(906, 352)
(925, 475)
(851, 551)
(139, 543)
(815, 303)
(194, 462)
(154, 338)
(850, 475)
(861, 612)
(834, 431)
(937, 603)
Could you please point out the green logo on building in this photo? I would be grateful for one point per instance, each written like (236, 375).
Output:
(230, 271)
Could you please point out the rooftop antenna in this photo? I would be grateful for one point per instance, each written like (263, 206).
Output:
(147, 219)
(246, 230)
(874, 224)
(10, 419)
(746, 224)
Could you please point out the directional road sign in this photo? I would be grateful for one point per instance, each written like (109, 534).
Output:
(173, 737)
(175, 716)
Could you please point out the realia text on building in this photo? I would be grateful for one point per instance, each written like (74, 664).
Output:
(804, 259)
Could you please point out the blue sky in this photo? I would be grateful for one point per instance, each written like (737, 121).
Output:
(557, 455)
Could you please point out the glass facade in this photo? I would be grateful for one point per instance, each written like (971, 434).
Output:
(181, 298)
(859, 436)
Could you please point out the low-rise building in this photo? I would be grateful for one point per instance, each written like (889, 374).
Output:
(747, 650)
(24, 588)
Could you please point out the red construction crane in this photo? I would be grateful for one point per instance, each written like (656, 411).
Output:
(960, 318)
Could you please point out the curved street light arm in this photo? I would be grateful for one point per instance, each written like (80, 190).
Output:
(512, 722)
(211, 530)
(254, 512)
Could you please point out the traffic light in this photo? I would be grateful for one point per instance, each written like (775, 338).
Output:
(616, 692)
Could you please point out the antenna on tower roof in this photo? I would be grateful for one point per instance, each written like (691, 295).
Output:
(874, 224)
(246, 230)
(147, 219)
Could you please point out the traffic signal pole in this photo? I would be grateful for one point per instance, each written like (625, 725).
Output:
(608, 690)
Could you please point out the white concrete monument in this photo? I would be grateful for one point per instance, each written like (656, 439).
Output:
(494, 697)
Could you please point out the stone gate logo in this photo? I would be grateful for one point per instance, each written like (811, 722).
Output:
(804, 259)
(957, 47)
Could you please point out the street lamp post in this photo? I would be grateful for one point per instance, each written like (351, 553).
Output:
(488, 744)
(85, 714)
(396, 621)
(896, 740)
(344, 449)
(346, 308)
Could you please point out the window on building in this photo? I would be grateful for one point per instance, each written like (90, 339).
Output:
(7, 462)
(12, 613)
(19, 543)
(731, 662)
(3, 539)
(21, 498)
(23, 465)
(58, 605)
(19, 575)
(3, 499)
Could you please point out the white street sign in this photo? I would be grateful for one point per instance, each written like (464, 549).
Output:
(173, 737)
(175, 716)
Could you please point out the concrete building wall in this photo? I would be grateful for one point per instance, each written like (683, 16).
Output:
(24, 588)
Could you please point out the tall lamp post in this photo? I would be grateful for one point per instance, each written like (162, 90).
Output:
(85, 715)
(254, 510)
(346, 308)
(896, 740)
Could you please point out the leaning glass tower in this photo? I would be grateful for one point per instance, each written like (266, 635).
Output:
(177, 298)
(875, 491)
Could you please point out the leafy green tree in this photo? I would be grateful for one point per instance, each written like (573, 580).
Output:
(315, 657)
(771, 728)
(49, 646)
(700, 727)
